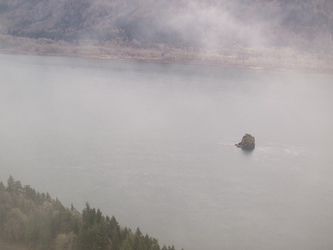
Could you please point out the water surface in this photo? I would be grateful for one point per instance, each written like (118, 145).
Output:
(153, 144)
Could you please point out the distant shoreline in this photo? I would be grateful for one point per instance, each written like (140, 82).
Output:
(278, 68)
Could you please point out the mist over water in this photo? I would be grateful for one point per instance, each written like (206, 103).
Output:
(153, 145)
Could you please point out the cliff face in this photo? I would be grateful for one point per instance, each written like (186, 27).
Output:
(210, 24)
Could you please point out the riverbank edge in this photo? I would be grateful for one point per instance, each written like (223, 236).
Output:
(207, 62)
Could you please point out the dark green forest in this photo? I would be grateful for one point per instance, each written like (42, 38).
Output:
(34, 220)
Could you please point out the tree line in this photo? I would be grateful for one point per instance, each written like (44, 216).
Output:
(37, 221)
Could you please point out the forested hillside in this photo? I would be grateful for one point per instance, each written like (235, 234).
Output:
(217, 31)
(33, 220)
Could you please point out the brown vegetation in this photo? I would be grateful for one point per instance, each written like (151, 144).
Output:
(275, 34)
(283, 58)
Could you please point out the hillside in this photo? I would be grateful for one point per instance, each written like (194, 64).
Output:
(33, 220)
(259, 33)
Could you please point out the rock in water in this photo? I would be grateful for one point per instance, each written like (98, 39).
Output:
(247, 142)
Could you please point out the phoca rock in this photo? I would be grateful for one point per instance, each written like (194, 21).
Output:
(247, 143)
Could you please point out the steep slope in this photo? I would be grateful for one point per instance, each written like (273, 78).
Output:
(175, 23)
(33, 220)
(258, 33)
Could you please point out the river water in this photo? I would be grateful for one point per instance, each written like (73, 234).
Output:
(153, 145)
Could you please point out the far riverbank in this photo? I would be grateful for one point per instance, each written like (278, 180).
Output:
(263, 58)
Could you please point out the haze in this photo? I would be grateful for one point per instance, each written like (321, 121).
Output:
(153, 144)
(148, 134)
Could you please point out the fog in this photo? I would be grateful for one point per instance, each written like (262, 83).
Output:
(153, 144)
(214, 27)
(207, 25)
(221, 25)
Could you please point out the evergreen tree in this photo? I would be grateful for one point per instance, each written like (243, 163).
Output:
(115, 240)
(44, 223)
(10, 184)
(2, 207)
(14, 225)
(2, 187)
(126, 244)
